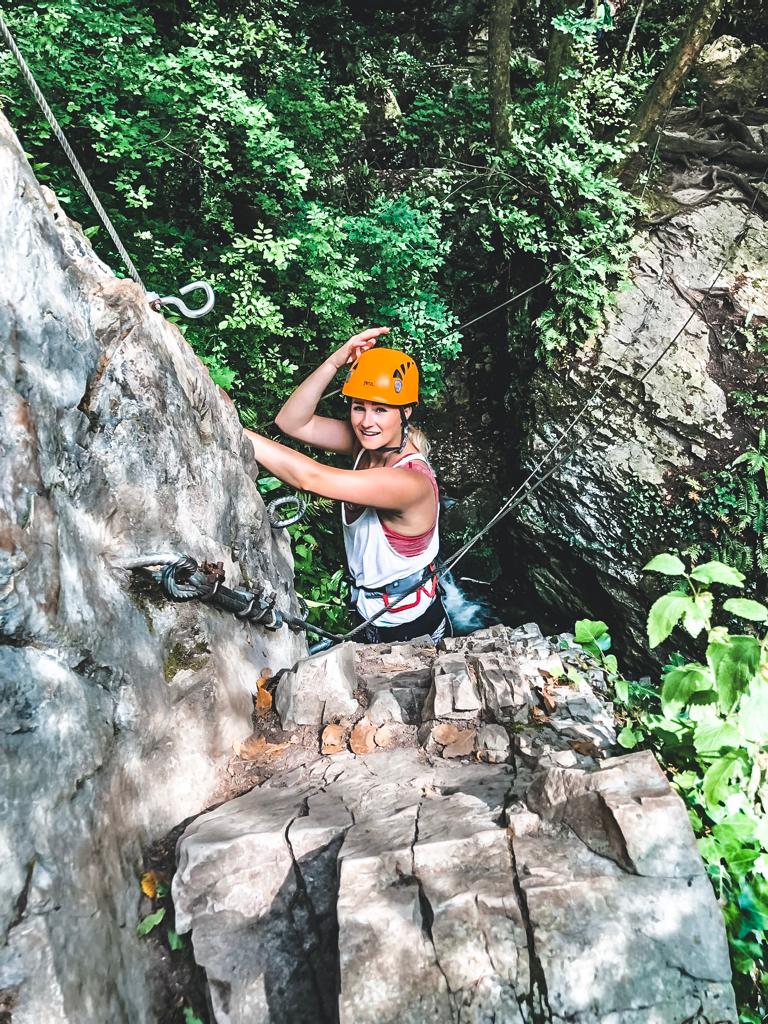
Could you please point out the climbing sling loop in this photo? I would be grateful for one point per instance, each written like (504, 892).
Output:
(153, 298)
(291, 500)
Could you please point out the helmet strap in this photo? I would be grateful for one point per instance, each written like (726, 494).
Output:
(404, 429)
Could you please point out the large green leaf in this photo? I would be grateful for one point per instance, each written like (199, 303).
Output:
(710, 737)
(746, 609)
(669, 565)
(680, 684)
(741, 860)
(718, 572)
(739, 825)
(589, 630)
(708, 849)
(754, 909)
(593, 636)
(150, 921)
(620, 686)
(761, 832)
(628, 738)
(717, 781)
(665, 614)
(734, 660)
(753, 712)
(697, 615)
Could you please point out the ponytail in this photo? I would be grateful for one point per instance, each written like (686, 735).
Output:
(419, 440)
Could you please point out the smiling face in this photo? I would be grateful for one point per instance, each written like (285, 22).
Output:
(376, 425)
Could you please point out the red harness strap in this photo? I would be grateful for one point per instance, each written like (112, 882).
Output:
(417, 595)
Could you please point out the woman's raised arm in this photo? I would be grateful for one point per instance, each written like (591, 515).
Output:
(298, 419)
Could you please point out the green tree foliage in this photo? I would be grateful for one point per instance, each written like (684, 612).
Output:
(218, 146)
(724, 514)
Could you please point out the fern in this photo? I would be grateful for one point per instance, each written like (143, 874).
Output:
(734, 511)
(249, 417)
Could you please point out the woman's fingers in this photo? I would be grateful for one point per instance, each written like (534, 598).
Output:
(368, 337)
(362, 342)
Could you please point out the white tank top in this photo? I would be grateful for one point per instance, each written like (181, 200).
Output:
(373, 562)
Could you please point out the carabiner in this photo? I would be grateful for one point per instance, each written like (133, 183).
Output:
(170, 300)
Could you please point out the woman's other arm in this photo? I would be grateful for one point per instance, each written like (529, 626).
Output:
(387, 489)
(298, 419)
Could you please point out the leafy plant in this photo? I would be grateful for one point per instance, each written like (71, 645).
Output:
(151, 921)
(155, 886)
(709, 727)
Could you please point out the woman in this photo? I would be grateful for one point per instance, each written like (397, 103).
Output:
(389, 516)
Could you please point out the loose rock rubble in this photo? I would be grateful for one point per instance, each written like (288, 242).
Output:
(475, 852)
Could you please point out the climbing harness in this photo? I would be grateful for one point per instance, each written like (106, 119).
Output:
(290, 500)
(153, 298)
(420, 580)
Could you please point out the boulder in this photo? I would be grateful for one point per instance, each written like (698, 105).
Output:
(119, 709)
(733, 74)
(493, 744)
(319, 689)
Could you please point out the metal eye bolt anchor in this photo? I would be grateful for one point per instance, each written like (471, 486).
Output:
(171, 300)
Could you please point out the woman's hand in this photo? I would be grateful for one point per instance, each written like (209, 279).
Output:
(351, 350)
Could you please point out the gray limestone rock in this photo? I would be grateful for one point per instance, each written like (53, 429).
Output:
(409, 888)
(319, 689)
(625, 810)
(264, 866)
(493, 744)
(454, 693)
(583, 536)
(505, 691)
(117, 708)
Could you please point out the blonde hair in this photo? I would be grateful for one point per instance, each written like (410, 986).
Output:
(419, 440)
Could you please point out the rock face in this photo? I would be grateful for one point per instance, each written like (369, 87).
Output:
(410, 885)
(733, 74)
(116, 706)
(583, 536)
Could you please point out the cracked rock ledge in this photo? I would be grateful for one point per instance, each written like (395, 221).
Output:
(539, 880)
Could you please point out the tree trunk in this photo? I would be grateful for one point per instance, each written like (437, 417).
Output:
(631, 37)
(499, 53)
(660, 95)
(558, 56)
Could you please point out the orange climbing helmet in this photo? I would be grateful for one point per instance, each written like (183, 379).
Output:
(383, 375)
